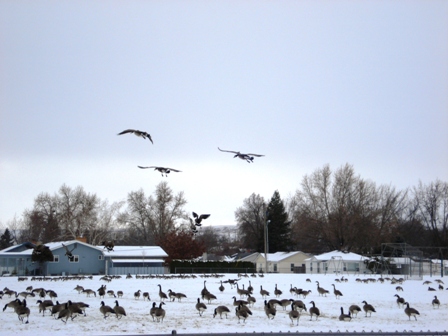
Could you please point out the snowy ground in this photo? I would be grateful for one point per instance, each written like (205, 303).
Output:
(183, 317)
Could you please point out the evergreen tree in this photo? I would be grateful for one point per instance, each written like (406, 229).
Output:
(279, 227)
(42, 254)
(6, 239)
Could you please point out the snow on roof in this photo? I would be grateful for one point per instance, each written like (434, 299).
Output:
(137, 260)
(136, 251)
(338, 255)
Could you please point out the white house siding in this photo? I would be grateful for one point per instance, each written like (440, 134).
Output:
(336, 262)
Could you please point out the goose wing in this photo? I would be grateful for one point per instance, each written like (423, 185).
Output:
(127, 131)
(228, 151)
(257, 155)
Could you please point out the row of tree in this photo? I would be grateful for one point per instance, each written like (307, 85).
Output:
(338, 210)
(330, 210)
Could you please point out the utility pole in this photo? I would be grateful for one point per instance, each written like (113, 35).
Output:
(266, 241)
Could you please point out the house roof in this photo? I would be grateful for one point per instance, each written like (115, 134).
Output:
(338, 255)
(136, 252)
(272, 257)
(119, 251)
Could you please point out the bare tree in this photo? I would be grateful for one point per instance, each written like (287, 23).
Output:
(431, 202)
(76, 212)
(149, 219)
(340, 210)
(251, 221)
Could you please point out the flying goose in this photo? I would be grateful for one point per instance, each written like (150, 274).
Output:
(193, 227)
(198, 218)
(368, 308)
(200, 307)
(109, 245)
(106, 310)
(249, 157)
(344, 317)
(411, 311)
(163, 170)
(141, 134)
(294, 315)
(314, 311)
(68, 252)
(221, 310)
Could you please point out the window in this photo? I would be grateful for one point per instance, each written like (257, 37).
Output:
(55, 258)
(100, 257)
(75, 259)
(275, 267)
(292, 267)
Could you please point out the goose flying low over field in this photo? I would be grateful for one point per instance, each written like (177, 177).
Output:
(249, 157)
(141, 134)
(198, 218)
(163, 170)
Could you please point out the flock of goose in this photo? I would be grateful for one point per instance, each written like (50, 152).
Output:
(248, 157)
(243, 301)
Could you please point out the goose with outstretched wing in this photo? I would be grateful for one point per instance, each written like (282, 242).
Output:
(138, 133)
(198, 218)
(248, 157)
(68, 252)
(163, 170)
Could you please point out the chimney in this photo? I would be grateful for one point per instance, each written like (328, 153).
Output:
(82, 239)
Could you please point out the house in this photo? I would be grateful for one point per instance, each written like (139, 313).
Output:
(336, 262)
(78, 257)
(135, 260)
(279, 262)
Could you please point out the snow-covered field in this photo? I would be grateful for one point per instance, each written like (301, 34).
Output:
(184, 318)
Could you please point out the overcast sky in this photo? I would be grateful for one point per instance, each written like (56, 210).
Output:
(306, 83)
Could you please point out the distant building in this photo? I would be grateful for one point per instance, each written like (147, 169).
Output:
(85, 259)
(336, 262)
(279, 262)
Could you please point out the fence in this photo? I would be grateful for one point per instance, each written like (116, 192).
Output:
(339, 333)
(205, 270)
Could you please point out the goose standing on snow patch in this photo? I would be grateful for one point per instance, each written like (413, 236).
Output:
(163, 170)
(249, 157)
(138, 133)
(411, 311)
